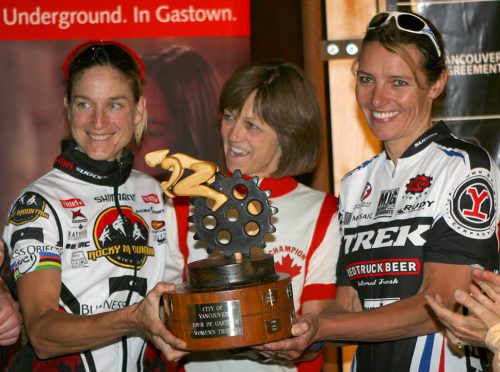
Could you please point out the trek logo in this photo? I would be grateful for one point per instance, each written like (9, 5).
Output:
(390, 236)
(418, 184)
(472, 206)
(72, 203)
(387, 203)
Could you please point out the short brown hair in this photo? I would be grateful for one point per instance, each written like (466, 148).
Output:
(286, 101)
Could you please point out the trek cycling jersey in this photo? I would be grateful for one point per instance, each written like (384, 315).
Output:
(305, 246)
(438, 203)
(104, 229)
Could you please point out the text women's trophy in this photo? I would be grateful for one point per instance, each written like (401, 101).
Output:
(234, 298)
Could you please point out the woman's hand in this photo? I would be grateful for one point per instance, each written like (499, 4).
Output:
(149, 319)
(10, 319)
(459, 328)
(483, 303)
(304, 332)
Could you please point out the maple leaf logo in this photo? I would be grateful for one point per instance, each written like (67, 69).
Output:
(288, 266)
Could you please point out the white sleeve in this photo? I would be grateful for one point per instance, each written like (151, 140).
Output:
(323, 263)
(174, 261)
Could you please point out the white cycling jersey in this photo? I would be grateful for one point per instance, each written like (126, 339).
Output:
(108, 242)
(438, 203)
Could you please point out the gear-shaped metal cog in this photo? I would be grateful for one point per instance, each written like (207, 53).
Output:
(241, 222)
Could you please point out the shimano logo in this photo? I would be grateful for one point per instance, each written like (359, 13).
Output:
(392, 236)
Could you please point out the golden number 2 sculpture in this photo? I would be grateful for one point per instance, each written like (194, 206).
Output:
(192, 185)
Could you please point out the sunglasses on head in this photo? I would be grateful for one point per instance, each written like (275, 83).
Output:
(79, 49)
(405, 22)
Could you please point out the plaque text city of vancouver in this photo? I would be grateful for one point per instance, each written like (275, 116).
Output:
(234, 298)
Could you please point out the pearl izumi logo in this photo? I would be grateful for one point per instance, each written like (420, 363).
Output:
(121, 238)
(472, 205)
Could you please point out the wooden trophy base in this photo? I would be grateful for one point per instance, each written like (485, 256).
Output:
(233, 316)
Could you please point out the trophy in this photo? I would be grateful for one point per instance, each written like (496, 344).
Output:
(234, 298)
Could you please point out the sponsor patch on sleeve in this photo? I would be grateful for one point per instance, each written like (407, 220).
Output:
(471, 206)
(28, 208)
(34, 257)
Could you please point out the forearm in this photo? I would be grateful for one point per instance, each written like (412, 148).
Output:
(406, 318)
(3, 286)
(55, 333)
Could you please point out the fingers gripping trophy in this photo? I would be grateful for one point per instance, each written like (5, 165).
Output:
(234, 298)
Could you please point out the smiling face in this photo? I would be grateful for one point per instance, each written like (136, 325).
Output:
(102, 112)
(396, 106)
(250, 144)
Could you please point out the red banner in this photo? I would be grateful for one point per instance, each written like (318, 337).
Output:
(78, 19)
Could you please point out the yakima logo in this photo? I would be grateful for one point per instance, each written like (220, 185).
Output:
(418, 184)
(151, 198)
(72, 203)
(472, 207)
(391, 236)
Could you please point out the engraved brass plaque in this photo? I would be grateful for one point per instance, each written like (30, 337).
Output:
(215, 319)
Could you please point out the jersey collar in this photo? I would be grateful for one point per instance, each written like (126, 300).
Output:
(436, 133)
(278, 186)
(99, 172)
